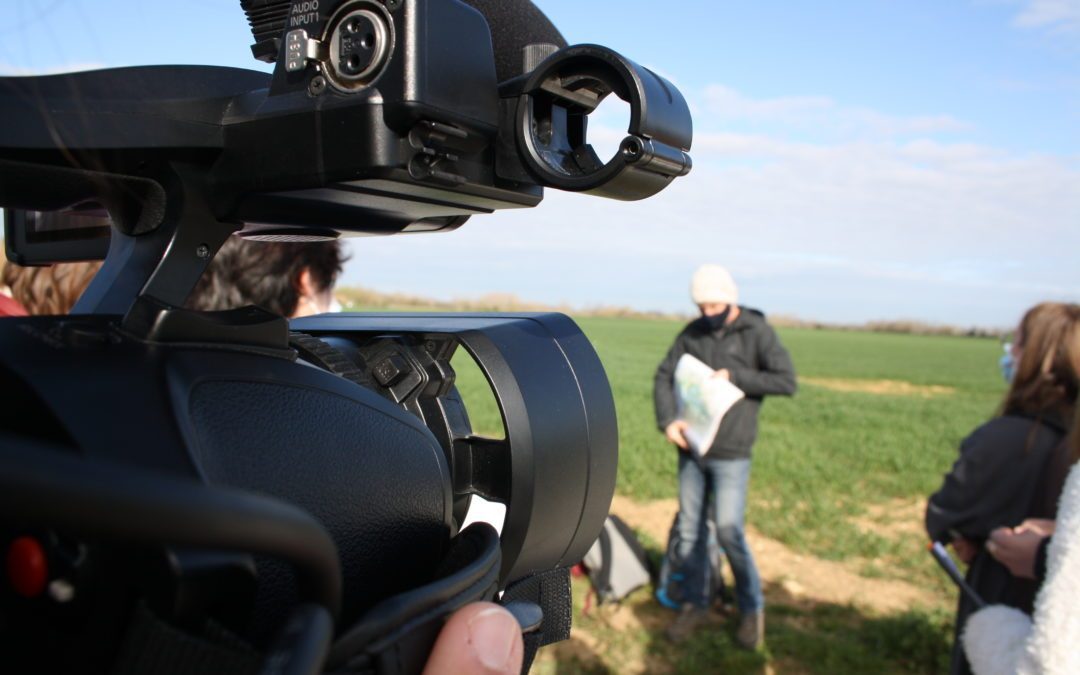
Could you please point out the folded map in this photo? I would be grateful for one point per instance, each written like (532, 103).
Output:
(703, 400)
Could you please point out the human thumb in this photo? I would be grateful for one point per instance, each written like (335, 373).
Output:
(479, 638)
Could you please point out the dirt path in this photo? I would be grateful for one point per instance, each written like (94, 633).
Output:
(617, 638)
(802, 577)
(880, 387)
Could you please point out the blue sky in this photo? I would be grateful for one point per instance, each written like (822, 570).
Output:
(853, 160)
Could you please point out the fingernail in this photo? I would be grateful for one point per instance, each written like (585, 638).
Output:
(492, 633)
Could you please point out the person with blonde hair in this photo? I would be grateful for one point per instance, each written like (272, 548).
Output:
(1006, 469)
(49, 289)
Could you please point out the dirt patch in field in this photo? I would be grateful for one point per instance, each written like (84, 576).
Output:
(802, 577)
(791, 579)
(879, 387)
(896, 519)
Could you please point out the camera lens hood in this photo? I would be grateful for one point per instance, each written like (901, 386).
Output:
(556, 468)
(553, 105)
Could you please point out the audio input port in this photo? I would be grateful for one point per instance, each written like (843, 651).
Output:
(360, 44)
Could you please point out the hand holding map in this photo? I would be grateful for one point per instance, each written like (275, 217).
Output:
(703, 400)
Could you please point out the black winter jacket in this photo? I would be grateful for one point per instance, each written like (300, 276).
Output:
(1003, 475)
(759, 365)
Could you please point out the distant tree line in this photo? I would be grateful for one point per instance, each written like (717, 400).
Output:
(370, 299)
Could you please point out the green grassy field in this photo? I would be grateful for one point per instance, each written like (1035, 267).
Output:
(822, 453)
(844, 448)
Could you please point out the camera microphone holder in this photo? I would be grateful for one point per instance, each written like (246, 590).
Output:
(550, 107)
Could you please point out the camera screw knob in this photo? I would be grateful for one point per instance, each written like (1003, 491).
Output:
(534, 54)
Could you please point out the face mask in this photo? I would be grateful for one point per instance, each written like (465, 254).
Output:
(335, 306)
(717, 321)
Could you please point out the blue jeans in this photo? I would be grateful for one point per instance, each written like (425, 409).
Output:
(729, 480)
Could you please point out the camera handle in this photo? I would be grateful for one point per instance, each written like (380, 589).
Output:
(164, 236)
(165, 262)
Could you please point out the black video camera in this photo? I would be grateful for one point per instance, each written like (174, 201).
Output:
(187, 491)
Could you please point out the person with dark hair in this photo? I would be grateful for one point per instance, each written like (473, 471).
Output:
(1007, 469)
(292, 279)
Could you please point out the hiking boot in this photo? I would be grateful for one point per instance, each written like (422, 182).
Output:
(683, 626)
(751, 630)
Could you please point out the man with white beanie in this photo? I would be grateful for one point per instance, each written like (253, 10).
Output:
(741, 347)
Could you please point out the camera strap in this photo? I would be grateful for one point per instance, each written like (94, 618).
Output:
(550, 591)
(396, 636)
(152, 645)
(393, 638)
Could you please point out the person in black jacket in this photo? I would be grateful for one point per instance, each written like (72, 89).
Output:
(1010, 468)
(742, 348)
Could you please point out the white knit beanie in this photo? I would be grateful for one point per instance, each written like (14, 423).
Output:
(713, 283)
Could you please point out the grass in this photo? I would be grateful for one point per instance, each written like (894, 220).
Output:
(825, 461)
(822, 457)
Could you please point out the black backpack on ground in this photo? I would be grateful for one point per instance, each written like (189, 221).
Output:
(617, 563)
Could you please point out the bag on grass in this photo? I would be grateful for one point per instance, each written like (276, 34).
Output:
(617, 563)
(669, 585)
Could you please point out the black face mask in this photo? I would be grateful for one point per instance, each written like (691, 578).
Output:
(717, 321)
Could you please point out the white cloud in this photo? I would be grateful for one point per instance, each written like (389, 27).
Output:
(869, 225)
(820, 113)
(726, 102)
(1060, 15)
(959, 222)
(918, 201)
